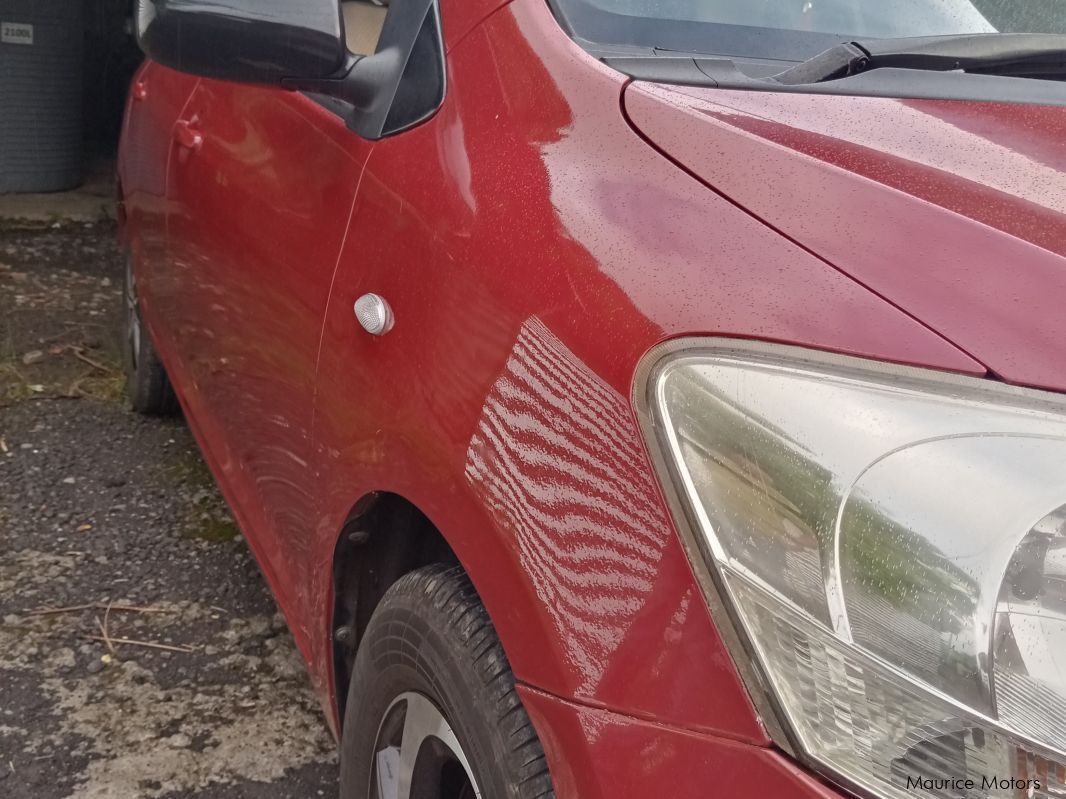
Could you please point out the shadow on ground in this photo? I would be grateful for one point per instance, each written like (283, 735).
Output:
(114, 520)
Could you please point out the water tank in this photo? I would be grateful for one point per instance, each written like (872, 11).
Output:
(40, 95)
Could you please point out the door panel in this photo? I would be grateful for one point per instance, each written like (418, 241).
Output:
(263, 183)
(157, 97)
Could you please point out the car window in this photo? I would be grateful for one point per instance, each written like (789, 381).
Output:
(795, 29)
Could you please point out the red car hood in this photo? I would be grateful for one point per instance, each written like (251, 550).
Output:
(953, 211)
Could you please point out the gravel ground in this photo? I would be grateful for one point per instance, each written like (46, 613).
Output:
(105, 509)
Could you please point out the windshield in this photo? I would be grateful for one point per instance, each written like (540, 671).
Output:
(794, 30)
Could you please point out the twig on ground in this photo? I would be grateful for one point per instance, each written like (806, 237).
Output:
(103, 631)
(70, 328)
(79, 353)
(149, 644)
(51, 611)
(106, 639)
(96, 606)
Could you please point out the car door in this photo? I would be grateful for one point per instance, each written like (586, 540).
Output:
(156, 99)
(262, 186)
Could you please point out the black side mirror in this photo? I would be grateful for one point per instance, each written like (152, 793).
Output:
(252, 41)
(300, 45)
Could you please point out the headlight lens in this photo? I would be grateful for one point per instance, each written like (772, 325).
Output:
(892, 543)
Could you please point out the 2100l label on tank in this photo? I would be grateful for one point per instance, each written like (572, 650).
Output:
(16, 33)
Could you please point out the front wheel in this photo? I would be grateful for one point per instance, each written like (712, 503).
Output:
(432, 709)
(147, 383)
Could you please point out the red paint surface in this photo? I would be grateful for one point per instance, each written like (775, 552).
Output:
(533, 247)
(595, 754)
(952, 210)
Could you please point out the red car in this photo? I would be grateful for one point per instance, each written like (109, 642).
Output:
(627, 398)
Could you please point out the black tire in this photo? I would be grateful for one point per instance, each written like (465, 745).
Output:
(430, 635)
(147, 384)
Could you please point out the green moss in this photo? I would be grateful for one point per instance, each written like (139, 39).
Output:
(17, 392)
(110, 388)
(190, 470)
(206, 518)
(214, 529)
(13, 386)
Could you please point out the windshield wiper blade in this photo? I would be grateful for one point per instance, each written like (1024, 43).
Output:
(1006, 54)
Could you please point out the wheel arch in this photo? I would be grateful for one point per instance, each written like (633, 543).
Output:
(384, 537)
(414, 516)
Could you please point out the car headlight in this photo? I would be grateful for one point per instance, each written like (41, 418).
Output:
(891, 543)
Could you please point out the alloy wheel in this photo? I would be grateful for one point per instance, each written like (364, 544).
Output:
(417, 754)
(133, 318)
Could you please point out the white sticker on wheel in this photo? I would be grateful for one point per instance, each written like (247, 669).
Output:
(16, 33)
